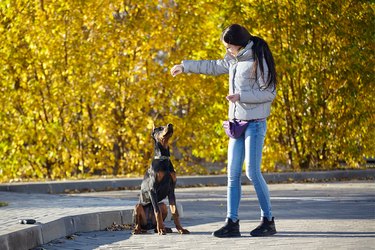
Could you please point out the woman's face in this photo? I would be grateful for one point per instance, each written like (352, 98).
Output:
(232, 49)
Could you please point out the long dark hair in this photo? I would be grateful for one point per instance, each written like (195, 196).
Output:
(238, 35)
(260, 51)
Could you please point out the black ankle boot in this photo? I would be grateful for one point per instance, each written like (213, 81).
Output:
(230, 229)
(266, 228)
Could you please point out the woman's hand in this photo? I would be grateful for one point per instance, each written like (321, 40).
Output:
(177, 69)
(233, 98)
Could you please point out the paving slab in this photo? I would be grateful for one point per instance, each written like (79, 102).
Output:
(308, 216)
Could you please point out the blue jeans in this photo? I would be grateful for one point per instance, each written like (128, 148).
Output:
(247, 148)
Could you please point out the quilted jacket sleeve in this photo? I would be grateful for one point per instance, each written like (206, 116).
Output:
(206, 67)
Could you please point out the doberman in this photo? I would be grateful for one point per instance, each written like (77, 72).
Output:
(158, 183)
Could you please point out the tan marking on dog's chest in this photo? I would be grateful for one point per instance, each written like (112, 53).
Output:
(174, 176)
(160, 176)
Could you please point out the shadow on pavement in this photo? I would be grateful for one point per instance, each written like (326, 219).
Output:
(325, 234)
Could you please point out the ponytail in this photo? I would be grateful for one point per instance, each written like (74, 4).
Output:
(260, 51)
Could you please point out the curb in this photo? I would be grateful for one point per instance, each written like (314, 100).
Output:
(39, 234)
(59, 187)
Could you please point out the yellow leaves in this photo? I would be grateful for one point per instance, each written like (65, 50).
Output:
(83, 83)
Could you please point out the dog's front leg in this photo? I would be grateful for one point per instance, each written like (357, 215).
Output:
(173, 207)
(160, 224)
(158, 216)
(176, 220)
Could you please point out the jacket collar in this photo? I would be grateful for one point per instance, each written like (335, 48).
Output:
(244, 54)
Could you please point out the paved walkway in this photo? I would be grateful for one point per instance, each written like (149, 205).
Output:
(57, 216)
(308, 216)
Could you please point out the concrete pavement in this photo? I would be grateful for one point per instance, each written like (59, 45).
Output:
(57, 216)
(337, 215)
(60, 215)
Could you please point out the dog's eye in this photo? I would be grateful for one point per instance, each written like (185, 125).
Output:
(157, 130)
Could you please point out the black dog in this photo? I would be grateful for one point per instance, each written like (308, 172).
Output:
(158, 183)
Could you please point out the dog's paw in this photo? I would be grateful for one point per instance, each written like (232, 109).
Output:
(183, 231)
(168, 230)
(137, 231)
(162, 232)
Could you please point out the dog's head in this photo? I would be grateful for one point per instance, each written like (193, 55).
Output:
(161, 136)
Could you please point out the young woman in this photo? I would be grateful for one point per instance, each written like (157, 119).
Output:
(252, 88)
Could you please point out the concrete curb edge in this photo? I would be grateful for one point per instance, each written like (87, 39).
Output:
(35, 235)
(58, 187)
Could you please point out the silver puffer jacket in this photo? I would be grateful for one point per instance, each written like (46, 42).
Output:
(255, 100)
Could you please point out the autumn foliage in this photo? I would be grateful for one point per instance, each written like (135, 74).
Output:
(83, 82)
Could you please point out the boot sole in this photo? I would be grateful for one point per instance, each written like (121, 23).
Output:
(264, 235)
(228, 235)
